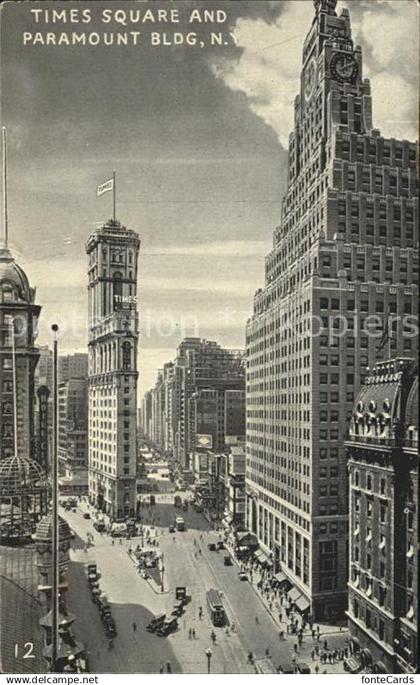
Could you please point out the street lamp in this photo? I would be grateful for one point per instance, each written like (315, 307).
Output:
(163, 573)
(55, 529)
(208, 655)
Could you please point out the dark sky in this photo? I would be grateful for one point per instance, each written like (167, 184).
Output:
(196, 136)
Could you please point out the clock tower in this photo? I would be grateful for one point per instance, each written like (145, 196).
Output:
(344, 252)
(113, 338)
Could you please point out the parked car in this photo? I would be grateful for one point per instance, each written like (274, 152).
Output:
(352, 664)
(302, 667)
(220, 544)
(110, 627)
(181, 594)
(227, 560)
(172, 529)
(156, 623)
(178, 609)
(242, 575)
(86, 515)
(169, 625)
(287, 668)
(99, 526)
(212, 546)
(264, 666)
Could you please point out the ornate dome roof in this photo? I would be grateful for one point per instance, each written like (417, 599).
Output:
(43, 531)
(13, 275)
(20, 474)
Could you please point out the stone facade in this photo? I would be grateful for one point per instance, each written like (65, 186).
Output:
(344, 251)
(113, 338)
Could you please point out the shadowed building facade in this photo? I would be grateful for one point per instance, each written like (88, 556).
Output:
(113, 338)
(383, 477)
(345, 249)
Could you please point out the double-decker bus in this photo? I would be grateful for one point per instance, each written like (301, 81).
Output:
(216, 608)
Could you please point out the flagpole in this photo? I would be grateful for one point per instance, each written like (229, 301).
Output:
(114, 196)
(5, 212)
(389, 336)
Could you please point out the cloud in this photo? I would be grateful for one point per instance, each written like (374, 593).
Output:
(222, 248)
(387, 35)
(267, 69)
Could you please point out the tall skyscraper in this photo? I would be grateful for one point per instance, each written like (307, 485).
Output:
(113, 338)
(344, 250)
(18, 358)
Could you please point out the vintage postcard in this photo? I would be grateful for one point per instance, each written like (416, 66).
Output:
(209, 338)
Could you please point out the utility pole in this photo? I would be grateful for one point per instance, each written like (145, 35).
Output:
(55, 535)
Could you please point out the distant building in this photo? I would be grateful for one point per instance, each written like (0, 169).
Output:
(235, 499)
(198, 401)
(383, 468)
(113, 340)
(72, 366)
(73, 433)
(44, 369)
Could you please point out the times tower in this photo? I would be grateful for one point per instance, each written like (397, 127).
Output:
(113, 339)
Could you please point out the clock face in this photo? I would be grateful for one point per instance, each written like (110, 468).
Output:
(309, 79)
(343, 67)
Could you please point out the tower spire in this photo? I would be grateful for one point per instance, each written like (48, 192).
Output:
(5, 210)
(326, 6)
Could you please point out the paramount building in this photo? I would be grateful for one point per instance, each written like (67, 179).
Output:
(113, 337)
(345, 249)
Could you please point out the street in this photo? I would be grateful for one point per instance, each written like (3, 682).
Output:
(135, 600)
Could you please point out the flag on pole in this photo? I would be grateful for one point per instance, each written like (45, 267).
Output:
(108, 185)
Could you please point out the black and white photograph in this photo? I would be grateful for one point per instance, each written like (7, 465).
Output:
(209, 339)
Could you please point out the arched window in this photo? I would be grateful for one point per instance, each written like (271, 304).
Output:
(126, 356)
(117, 289)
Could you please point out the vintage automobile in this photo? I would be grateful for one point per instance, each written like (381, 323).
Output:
(220, 544)
(110, 627)
(227, 560)
(353, 663)
(264, 666)
(287, 668)
(86, 515)
(242, 575)
(181, 594)
(156, 623)
(178, 609)
(119, 530)
(99, 525)
(212, 546)
(172, 529)
(169, 625)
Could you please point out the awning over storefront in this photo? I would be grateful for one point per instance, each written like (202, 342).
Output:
(263, 558)
(280, 577)
(293, 594)
(379, 667)
(302, 603)
(247, 540)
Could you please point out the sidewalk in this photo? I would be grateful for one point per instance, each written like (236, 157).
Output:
(310, 650)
